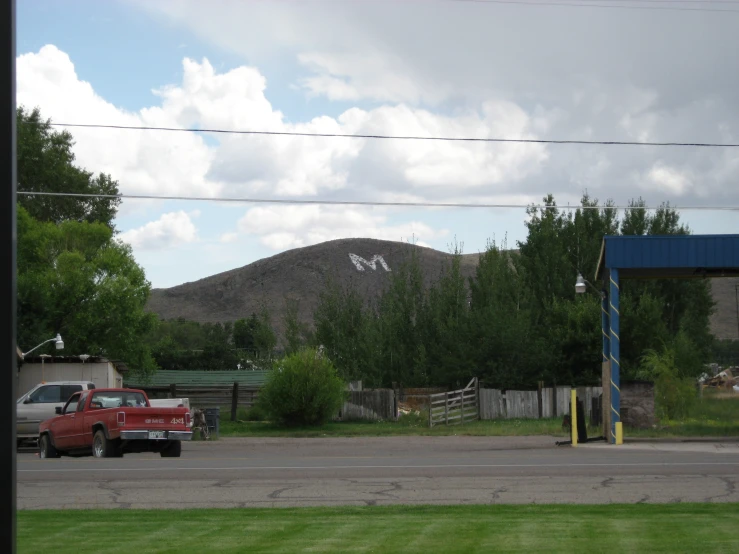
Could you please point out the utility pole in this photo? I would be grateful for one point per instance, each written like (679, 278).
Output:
(8, 176)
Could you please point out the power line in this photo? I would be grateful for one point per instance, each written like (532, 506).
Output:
(394, 137)
(598, 5)
(370, 203)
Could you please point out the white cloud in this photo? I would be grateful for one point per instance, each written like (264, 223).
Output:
(662, 85)
(228, 238)
(283, 227)
(184, 164)
(168, 163)
(669, 180)
(170, 230)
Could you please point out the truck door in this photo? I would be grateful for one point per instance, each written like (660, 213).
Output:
(83, 435)
(63, 427)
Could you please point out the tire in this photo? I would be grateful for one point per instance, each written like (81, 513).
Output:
(104, 448)
(172, 450)
(46, 449)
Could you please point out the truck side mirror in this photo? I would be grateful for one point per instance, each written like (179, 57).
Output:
(27, 401)
(58, 410)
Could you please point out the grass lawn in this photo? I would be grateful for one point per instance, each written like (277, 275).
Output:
(406, 425)
(712, 416)
(387, 529)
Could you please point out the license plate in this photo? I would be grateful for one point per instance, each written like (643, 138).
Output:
(156, 434)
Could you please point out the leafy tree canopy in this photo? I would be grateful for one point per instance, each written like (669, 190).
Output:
(46, 164)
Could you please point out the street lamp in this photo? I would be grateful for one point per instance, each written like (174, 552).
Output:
(582, 284)
(57, 340)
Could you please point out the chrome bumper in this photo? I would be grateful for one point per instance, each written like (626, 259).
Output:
(168, 435)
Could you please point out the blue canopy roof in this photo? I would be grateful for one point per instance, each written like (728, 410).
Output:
(670, 256)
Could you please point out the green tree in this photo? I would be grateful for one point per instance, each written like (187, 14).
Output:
(297, 333)
(76, 279)
(255, 335)
(399, 326)
(508, 350)
(344, 328)
(46, 164)
(444, 328)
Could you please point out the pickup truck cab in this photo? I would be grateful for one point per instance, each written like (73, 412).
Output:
(40, 403)
(108, 423)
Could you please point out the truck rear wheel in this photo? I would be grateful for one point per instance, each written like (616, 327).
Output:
(104, 448)
(46, 449)
(172, 450)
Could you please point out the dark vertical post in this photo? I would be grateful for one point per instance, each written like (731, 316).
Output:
(173, 390)
(234, 401)
(539, 386)
(9, 177)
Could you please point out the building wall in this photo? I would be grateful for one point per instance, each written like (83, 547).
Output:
(103, 374)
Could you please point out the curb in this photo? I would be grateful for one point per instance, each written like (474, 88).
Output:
(680, 440)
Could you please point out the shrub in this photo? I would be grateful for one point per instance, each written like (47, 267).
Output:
(674, 395)
(304, 389)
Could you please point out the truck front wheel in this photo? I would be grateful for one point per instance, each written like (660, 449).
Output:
(46, 449)
(104, 448)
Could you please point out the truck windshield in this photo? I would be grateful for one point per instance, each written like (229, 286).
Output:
(117, 399)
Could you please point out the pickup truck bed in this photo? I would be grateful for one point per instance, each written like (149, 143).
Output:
(113, 422)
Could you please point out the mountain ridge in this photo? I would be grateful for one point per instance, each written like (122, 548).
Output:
(301, 273)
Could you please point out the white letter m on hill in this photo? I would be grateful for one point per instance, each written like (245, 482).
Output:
(358, 261)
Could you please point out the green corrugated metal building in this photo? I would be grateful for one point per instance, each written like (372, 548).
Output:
(164, 378)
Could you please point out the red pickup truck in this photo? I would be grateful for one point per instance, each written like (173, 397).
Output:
(108, 423)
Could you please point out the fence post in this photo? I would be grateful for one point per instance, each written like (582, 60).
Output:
(477, 398)
(446, 408)
(173, 390)
(461, 412)
(539, 399)
(234, 400)
(431, 421)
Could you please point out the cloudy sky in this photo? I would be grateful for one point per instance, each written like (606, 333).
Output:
(613, 71)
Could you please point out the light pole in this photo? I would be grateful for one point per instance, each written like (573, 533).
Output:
(581, 285)
(736, 291)
(84, 358)
(57, 340)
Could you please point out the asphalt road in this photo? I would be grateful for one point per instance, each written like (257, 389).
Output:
(393, 470)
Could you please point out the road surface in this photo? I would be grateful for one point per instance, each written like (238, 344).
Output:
(275, 472)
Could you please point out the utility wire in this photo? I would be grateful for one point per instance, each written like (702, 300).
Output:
(395, 137)
(371, 203)
(607, 6)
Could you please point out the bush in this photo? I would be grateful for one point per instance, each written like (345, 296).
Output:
(254, 413)
(674, 395)
(304, 389)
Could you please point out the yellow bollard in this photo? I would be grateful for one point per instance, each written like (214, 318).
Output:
(619, 432)
(573, 416)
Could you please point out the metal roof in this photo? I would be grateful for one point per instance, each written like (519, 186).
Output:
(164, 378)
(670, 256)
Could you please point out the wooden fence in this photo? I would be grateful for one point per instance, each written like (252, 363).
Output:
(236, 396)
(377, 404)
(551, 402)
(455, 407)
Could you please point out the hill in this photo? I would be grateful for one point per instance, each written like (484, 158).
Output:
(302, 272)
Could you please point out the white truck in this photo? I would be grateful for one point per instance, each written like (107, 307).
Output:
(40, 403)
